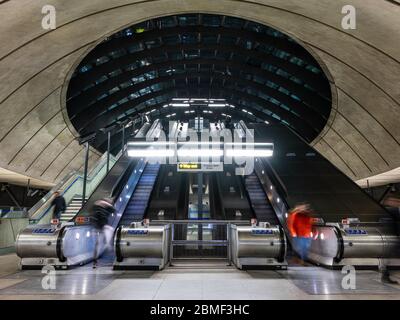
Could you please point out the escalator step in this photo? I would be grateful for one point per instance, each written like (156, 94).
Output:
(138, 203)
(261, 206)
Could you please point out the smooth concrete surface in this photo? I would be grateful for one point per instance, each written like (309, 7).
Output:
(190, 281)
(9, 229)
(22, 180)
(381, 179)
(362, 136)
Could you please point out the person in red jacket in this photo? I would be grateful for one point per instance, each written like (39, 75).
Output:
(300, 225)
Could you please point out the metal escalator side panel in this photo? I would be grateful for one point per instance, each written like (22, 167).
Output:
(123, 199)
(117, 245)
(327, 248)
(340, 243)
(283, 251)
(77, 244)
(108, 183)
(59, 250)
(309, 177)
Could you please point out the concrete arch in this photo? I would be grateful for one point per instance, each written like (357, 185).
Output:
(361, 138)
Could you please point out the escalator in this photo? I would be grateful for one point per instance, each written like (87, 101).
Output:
(217, 211)
(350, 227)
(137, 205)
(111, 186)
(73, 243)
(259, 202)
(183, 197)
(229, 192)
(169, 197)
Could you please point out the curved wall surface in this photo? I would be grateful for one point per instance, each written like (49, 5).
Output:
(361, 137)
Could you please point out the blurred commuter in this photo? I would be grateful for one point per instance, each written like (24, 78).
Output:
(59, 205)
(300, 225)
(102, 209)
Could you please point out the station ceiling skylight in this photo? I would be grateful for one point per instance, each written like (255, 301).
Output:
(177, 59)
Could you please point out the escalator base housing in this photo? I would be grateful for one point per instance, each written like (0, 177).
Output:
(258, 247)
(44, 245)
(359, 246)
(140, 247)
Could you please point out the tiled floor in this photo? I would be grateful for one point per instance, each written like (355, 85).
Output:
(190, 281)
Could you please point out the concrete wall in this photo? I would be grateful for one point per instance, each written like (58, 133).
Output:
(362, 137)
(9, 229)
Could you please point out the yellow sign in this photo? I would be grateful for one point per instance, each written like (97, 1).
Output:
(189, 166)
(200, 166)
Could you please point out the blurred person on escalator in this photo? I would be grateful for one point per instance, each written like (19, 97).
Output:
(59, 205)
(300, 225)
(100, 216)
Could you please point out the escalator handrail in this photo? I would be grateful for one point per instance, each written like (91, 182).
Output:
(61, 186)
(275, 179)
(42, 208)
(117, 185)
(47, 203)
(248, 198)
(44, 201)
(87, 207)
(219, 189)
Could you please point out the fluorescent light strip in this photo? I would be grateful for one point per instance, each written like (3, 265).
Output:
(150, 143)
(250, 144)
(200, 153)
(144, 153)
(249, 153)
(199, 143)
(216, 105)
(191, 143)
(179, 105)
(190, 153)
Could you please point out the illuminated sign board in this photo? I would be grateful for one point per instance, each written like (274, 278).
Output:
(200, 167)
(189, 166)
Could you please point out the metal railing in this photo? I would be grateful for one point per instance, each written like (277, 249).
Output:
(70, 186)
(214, 243)
(12, 212)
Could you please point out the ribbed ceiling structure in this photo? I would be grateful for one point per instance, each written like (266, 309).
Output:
(264, 73)
(361, 136)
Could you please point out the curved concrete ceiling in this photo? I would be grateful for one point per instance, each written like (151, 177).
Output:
(253, 67)
(362, 136)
